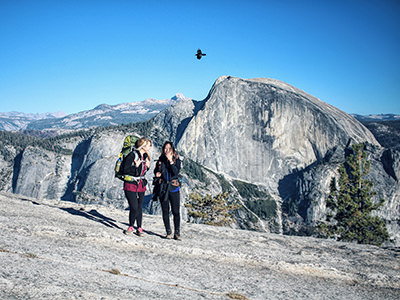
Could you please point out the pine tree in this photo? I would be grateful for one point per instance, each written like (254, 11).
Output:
(350, 204)
(211, 210)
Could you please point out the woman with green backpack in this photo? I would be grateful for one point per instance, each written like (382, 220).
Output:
(134, 167)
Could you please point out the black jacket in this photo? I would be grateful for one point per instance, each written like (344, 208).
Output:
(168, 171)
(128, 165)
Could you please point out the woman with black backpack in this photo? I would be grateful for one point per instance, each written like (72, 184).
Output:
(166, 173)
(134, 167)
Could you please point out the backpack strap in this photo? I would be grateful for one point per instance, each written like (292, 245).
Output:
(129, 178)
(132, 178)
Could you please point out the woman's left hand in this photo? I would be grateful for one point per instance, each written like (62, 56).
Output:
(137, 163)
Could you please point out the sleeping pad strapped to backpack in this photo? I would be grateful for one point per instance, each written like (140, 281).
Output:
(129, 145)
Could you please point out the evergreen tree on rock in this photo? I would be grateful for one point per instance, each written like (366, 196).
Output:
(350, 203)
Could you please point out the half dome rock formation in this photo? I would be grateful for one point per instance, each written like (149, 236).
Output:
(260, 130)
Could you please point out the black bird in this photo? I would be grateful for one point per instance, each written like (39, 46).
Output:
(199, 54)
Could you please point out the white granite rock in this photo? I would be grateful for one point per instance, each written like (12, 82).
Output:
(63, 250)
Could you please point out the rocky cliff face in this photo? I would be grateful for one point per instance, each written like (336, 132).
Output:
(267, 132)
(86, 176)
(260, 130)
(311, 187)
(174, 119)
(41, 173)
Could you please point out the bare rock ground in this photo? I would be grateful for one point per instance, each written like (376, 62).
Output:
(62, 250)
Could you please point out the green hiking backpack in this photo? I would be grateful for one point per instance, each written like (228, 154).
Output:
(129, 145)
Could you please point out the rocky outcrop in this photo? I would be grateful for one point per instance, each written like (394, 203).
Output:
(312, 187)
(267, 132)
(41, 173)
(86, 176)
(173, 120)
(261, 130)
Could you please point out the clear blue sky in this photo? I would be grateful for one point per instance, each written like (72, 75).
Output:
(74, 55)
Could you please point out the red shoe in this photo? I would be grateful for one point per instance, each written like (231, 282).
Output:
(129, 230)
(139, 231)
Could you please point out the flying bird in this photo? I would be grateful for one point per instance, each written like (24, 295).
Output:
(199, 54)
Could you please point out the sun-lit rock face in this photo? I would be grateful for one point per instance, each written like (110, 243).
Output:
(262, 129)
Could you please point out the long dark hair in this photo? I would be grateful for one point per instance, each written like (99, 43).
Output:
(175, 155)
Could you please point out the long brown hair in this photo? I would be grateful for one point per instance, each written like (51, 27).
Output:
(175, 155)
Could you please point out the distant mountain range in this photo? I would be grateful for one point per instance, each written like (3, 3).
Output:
(14, 121)
(379, 117)
(101, 115)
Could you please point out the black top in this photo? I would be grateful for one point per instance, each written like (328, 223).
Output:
(128, 165)
(168, 171)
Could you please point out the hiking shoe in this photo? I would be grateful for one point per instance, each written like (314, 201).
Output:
(177, 237)
(139, 231)
(129, 230)
(169, 236)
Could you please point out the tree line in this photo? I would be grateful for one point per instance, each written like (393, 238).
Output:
(22, 139)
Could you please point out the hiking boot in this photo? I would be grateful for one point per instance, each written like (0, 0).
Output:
(169, 236)
(139, 231)
(129, 230)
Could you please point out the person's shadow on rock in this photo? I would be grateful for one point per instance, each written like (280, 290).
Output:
(93, 215)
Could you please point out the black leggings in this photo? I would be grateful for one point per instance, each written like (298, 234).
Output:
(173, 199)
(135, 200)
